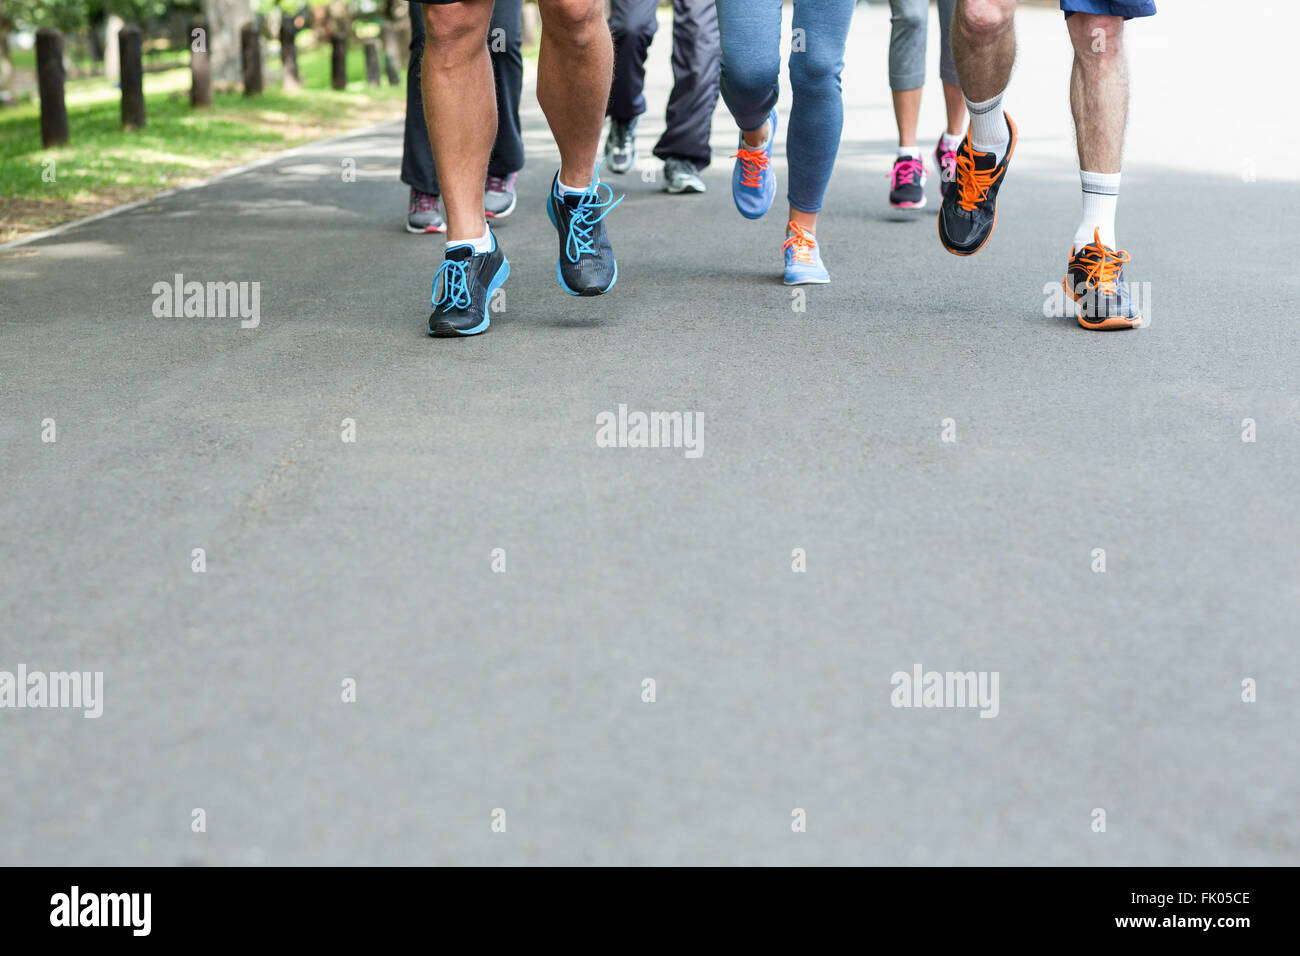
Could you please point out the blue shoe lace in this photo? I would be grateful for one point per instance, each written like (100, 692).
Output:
(583, 219)
(455, 285)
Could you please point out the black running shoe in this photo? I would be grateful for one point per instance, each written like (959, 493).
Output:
(1094, 279)
(907, 183)
(587, 265)
(970, 207)
(462, 290)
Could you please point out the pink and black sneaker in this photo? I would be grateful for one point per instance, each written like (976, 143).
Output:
(907, 183)
(945, 161)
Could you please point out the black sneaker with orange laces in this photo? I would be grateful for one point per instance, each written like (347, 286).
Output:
(1094, 279)
(970, 205)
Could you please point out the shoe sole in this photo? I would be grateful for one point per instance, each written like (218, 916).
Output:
(825, 281)
(426, 230)
(514, 201)
(559, 274)
(1011, 150)
(497, 281)
(683, 190)
(1114, 324)
(909, 205)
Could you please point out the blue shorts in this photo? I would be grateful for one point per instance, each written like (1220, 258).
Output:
(1128, 9)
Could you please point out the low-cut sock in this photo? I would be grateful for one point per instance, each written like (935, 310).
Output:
(564, 190)
(1100, 200)
(989, 132)
(909, 152)
(949, 143)
(481, 245)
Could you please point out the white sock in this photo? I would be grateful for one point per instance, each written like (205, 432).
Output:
(766, 139)
(988, 127)
(481, 245)
(1100, 198)
(949, 143)
(912, 152)
(568, 190)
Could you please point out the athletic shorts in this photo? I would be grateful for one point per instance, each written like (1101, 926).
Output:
(1128, 9)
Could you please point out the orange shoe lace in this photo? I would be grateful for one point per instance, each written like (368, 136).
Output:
(801, 242)
(1101, 264)
(973, 184)
(753, 162)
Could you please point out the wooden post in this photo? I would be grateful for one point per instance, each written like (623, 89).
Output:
(339, 61)
(200, 67)
(372, 63)
(250, 57)
(289, 54)
(129, 49)
(49, 71)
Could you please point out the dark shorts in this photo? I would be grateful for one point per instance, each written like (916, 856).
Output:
(1128, 9)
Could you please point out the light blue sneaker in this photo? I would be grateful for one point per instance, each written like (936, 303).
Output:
(803, 258)
(753, 183)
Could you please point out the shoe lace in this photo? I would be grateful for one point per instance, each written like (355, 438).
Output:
(1101, 264)
(801, 244)
(948, 163)
(500, 184)
(907, 171)
(455, 285)
(753, 163)
(973, 184)
(621, 133)
(424, 202)
(593, 206)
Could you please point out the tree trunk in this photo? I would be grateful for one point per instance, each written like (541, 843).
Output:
(225, 18)
(112, 55)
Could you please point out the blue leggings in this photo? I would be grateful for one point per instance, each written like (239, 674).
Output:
(751, 67)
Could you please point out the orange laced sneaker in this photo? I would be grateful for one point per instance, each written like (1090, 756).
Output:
(1094, 279)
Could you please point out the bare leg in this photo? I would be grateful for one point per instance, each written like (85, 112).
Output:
(984, 46)
(806, 219)
(575, 66)
(459, 108)
(907, 111)
(956, 106)
(1099, 91)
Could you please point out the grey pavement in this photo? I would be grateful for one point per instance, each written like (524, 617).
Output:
(371, 561)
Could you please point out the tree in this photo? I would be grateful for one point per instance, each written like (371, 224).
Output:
(225, 18)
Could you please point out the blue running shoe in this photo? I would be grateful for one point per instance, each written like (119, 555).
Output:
(803, 258)
(462, 290)
(753, 183)
(587, 265)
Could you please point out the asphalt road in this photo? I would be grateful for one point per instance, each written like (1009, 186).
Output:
(371, 560)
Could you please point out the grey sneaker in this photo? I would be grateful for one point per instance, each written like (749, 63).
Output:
(499, 196)
(620, 145)
(681, 176)
(424, 214)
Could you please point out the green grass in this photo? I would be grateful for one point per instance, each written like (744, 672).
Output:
(104, 165)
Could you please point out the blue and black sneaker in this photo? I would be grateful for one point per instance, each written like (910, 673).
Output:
(463, 287)
(586, 265)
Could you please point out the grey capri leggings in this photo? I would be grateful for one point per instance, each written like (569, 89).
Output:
(908, 24)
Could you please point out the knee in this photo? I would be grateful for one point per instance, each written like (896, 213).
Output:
(1096, 38)
(452, 28)
(574, 22)
(748, 78)
(815, 68)
(985, 18)
(909, 19)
